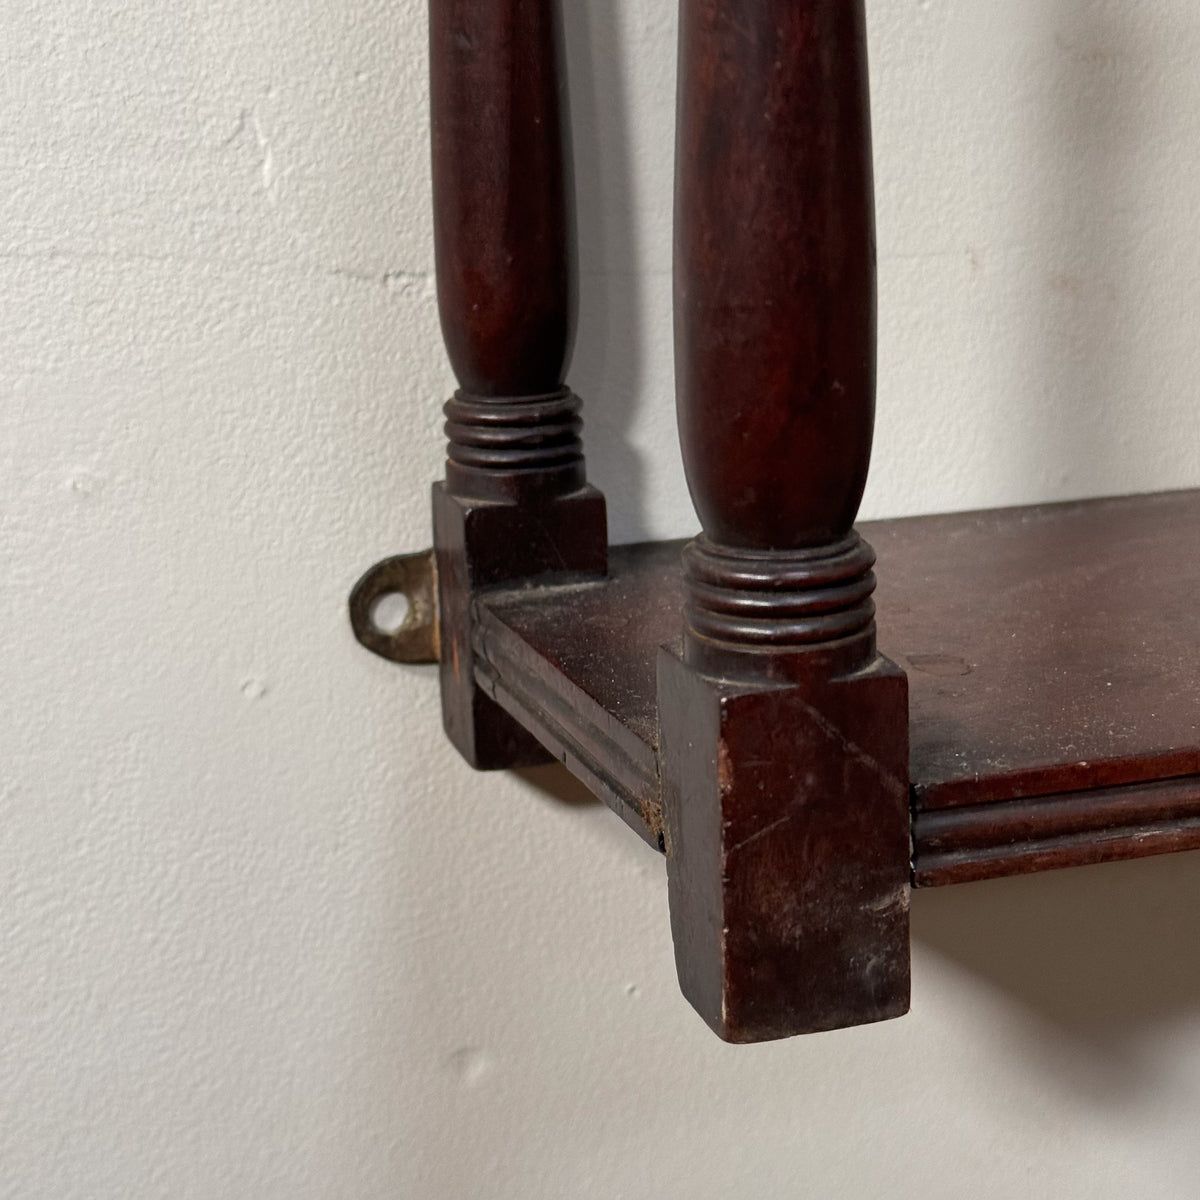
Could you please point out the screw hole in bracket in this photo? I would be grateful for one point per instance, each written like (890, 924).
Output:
(390, 612)
(393, 609)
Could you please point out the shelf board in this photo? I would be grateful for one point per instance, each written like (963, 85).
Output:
(1053, 657)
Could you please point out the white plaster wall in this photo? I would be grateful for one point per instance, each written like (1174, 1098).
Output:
(261, 933)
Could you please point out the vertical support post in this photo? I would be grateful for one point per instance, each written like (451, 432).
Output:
(784, 734)
(515, 504)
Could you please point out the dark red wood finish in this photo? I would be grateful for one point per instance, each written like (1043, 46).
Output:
(1055, 687)
(727, 698)
(515, 504)
(783, 748)
(786, 816)
(502, 194)
(775, 268)
(1048, 648)
(1043, 833)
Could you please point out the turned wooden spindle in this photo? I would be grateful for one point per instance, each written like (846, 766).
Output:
(503, 230)
(515, 504)
(784, 735)
(775, 314)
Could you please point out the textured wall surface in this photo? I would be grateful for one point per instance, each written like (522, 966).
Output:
(261, 934)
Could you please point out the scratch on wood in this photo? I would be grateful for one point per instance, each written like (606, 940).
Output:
(754, 837)
(724, 768)
(889, 781)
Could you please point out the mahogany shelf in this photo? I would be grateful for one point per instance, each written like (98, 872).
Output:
(1053, 657)
(1029, 696)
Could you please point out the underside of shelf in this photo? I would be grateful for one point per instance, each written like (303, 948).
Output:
(1053, 657)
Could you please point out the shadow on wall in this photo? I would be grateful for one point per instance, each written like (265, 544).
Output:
(1100, 957)
(1103, 956)
(609, 363)
(555, 784)
(1103, 952)
(1085, 355)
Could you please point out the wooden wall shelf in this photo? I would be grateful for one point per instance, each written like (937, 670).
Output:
(1054, 691)
(1032, 699)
